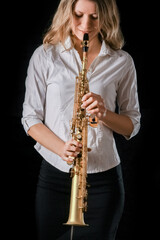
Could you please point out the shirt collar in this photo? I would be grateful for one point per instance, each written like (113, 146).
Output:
(105, 49)
(67, 45)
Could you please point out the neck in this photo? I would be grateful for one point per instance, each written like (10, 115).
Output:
(94, 46)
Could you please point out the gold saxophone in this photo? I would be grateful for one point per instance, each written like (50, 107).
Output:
(79, 132)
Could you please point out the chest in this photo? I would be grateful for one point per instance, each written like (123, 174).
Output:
(90, 59)
(62, 78)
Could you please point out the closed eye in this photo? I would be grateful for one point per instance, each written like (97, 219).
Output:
(95, 17)
(78, 16)
(92, 16)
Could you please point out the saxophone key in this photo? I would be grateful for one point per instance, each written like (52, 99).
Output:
(79, 136)
(72, 172)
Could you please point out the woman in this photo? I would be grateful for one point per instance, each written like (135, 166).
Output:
(48, 108)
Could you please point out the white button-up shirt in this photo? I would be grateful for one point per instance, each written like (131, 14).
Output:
(49, 98)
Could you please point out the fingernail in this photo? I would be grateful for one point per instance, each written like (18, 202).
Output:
(83, 98)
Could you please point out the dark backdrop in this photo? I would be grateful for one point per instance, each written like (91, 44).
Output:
(24, 27)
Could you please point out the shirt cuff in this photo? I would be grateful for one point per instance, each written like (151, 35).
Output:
(27, 123)
(135, 129)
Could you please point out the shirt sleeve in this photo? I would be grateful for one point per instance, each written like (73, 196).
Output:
(35, 85)
(127, 96)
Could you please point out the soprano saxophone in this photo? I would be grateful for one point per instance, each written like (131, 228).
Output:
(79, 132)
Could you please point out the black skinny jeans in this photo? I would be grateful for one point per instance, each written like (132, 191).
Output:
(105, 205)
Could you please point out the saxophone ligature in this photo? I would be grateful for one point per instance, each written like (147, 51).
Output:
(79, 132)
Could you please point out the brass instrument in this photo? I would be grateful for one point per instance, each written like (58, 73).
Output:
(79, 131)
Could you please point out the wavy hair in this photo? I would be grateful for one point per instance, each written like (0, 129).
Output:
(109, 23)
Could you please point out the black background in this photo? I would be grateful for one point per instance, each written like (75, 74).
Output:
(25, 24)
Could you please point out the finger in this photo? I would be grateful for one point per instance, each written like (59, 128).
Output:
(75, 143)
(88, 102)
(94, 111)
(65, 159)
(90, 94)
(71, 154)
(86, 96)
(69, 161)
(74, 149)
(99, 113)
(71, 148)
(92, 105)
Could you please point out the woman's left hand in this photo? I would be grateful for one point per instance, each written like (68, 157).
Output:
(94, 104)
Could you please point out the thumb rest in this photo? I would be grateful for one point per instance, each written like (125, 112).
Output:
(79, 132)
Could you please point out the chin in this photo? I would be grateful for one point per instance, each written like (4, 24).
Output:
(80, 36)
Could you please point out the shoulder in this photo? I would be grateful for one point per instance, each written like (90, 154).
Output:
(124, 60)
(44, 55)
(43, 52)
(124, 56)
(120, 56)
(50, 51)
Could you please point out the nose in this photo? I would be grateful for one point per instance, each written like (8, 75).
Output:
(86, 23)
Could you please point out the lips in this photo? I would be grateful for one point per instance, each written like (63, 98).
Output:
(87, 31)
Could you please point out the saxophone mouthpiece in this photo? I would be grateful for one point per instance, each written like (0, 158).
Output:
(86, 37)
(85, 42)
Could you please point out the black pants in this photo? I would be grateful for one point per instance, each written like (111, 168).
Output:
(105, 205)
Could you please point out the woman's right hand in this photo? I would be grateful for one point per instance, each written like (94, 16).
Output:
(70, 150)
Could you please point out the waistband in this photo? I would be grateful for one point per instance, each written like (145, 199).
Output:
(52, 178)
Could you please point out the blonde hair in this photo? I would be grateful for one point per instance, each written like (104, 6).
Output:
(109, 23)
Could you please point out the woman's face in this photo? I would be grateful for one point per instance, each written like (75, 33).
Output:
(85, 19)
